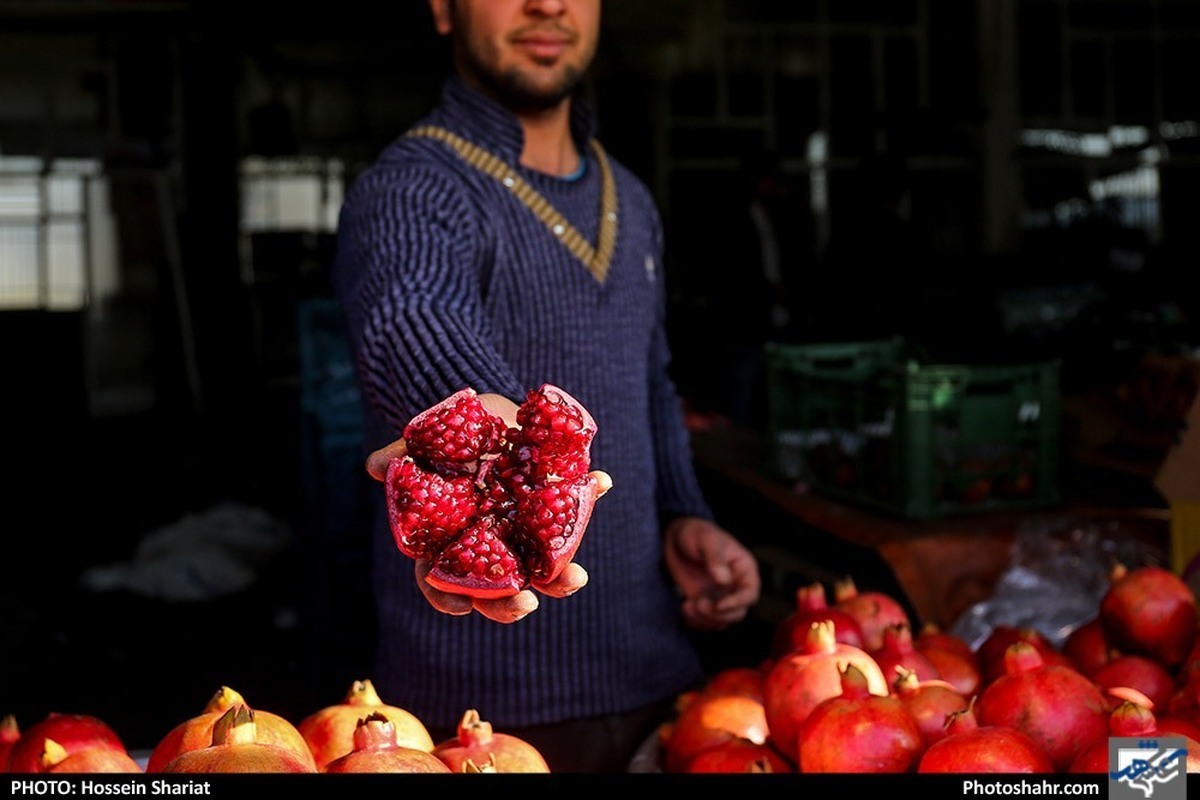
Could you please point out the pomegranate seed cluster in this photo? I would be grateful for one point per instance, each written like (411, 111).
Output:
(495, 508)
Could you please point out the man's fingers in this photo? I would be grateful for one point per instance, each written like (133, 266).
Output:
(502, 609)
(569, 581)
(508, 609)
(454, 604)
(377, 462)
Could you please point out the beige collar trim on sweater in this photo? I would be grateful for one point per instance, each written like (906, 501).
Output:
(597, 259)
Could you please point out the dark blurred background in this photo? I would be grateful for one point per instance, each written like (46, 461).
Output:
(996, 180)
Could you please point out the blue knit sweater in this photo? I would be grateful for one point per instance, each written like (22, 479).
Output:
(449, 281)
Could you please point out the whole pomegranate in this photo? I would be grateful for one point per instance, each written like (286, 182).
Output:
(73, 732)
(330, 731)
(858, 731)
(930, 702)
(1191, 663)
(1131, 717)
(56, 759)
(1088, 647)
(197, 732)
(478, 748)
(709, 719)
(953, 658)
(738, 755)
(1185, 701)
(805, 677)
(235, 747)
(495, 508)
(812, 605)
(873, 610)
(930, 636)
(1150, 611)
(991, 651)
(1143, 673)
(971, 747)
(737, 680)
(10, 731)
(1060, 709)
(899, 653)
(375, 748)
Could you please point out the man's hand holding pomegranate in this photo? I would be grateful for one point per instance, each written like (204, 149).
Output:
(467, 427)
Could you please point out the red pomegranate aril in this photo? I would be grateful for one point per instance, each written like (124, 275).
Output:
(480, 561)
(454, 433)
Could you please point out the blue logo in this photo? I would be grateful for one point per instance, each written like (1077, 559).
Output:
(1147, 768)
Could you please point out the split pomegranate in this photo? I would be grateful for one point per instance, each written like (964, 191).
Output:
(197, 732)
(971, 747)
(56, 759)
(477, 748)
(73, 732)
(1057, 706)
(331, 731)
(375, 748)
(859, 731)
(495, 508)
(1150, 611)
(236, 747)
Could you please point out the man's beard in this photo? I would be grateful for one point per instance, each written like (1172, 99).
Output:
(514, 90)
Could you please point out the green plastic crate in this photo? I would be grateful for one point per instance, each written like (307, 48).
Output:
(877, 425)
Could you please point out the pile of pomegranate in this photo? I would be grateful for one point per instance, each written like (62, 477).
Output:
(850, 687)
(360, 733)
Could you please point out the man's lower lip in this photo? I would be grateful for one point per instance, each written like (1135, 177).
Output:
(543, 49)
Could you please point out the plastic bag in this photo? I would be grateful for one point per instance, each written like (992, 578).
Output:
(1056, 580)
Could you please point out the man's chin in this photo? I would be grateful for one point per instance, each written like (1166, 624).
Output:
(529, 94)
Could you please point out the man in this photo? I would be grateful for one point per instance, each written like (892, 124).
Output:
(451, 276)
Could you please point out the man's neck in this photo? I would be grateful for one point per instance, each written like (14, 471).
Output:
(549, 146)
